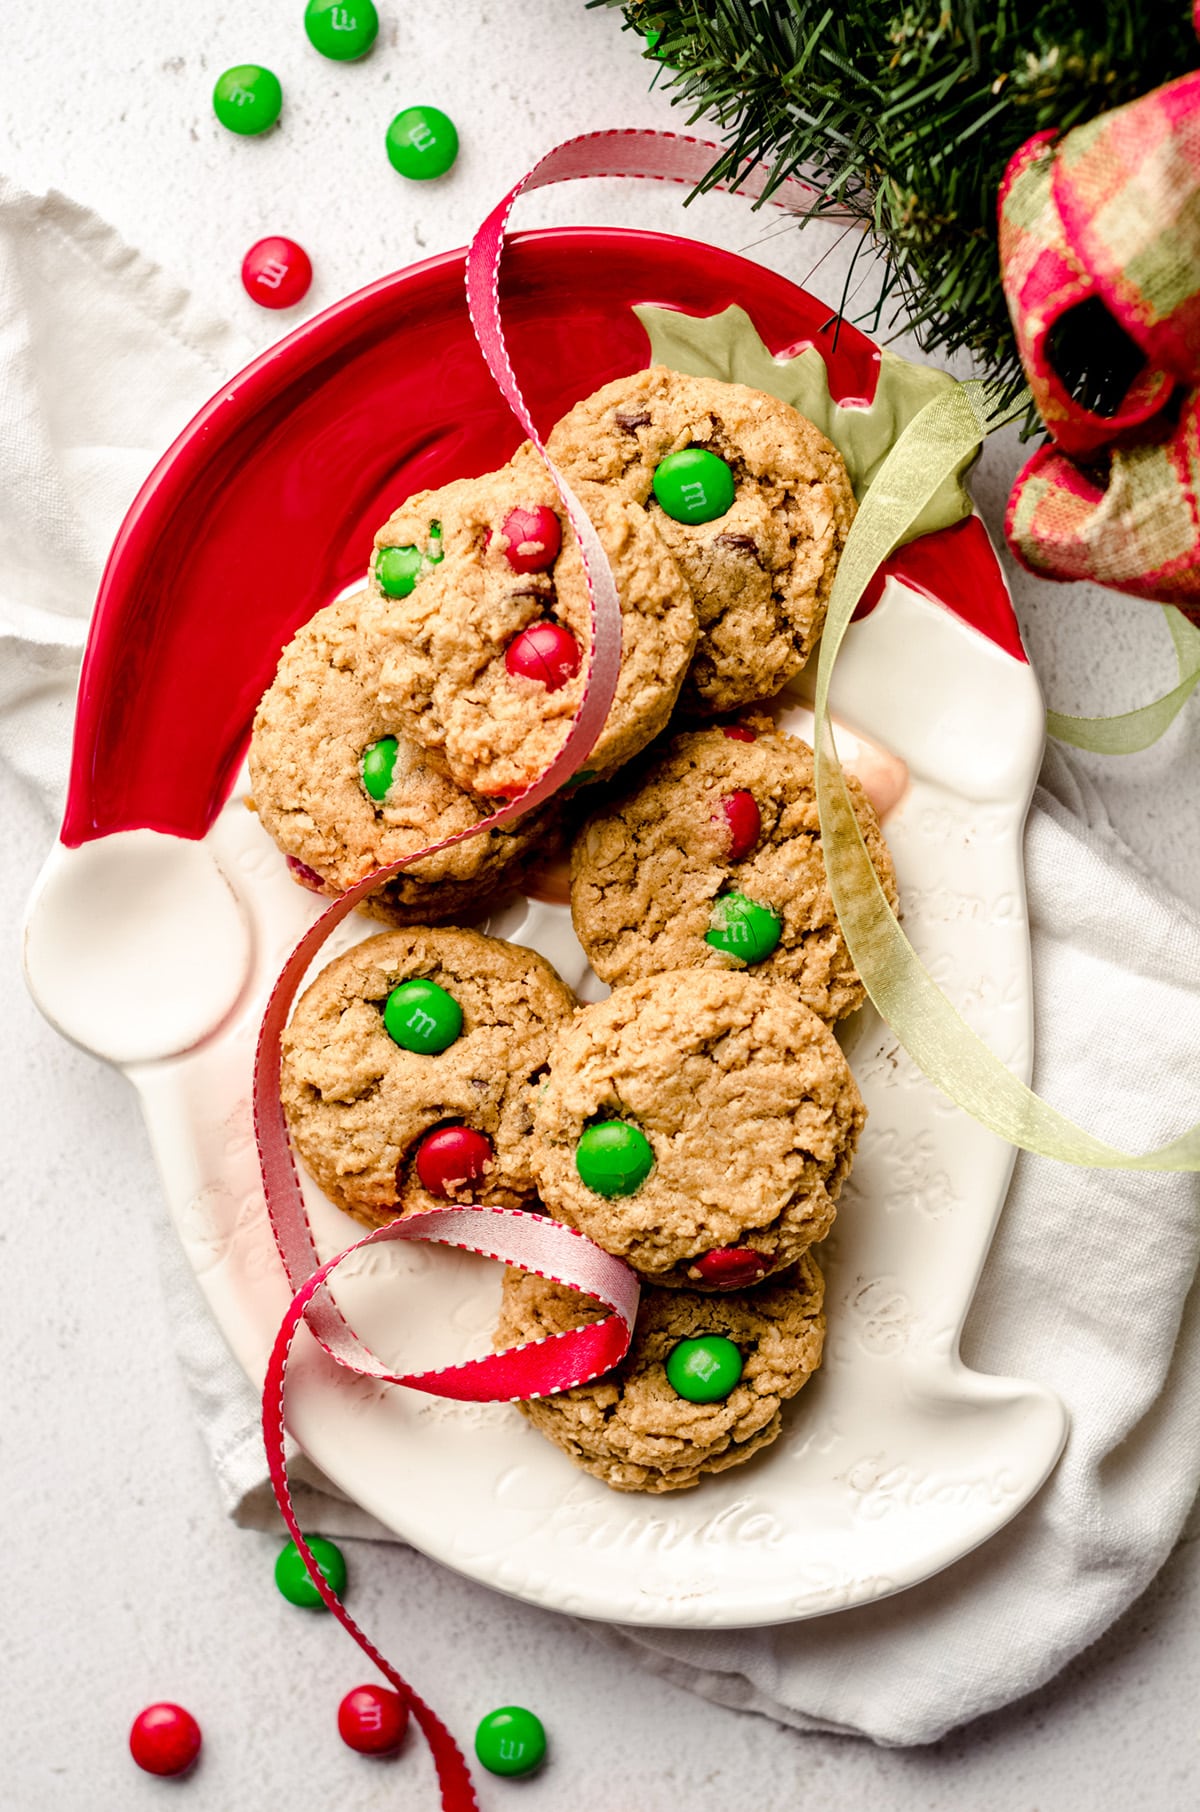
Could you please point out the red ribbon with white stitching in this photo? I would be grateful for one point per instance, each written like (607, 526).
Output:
(511, 1236)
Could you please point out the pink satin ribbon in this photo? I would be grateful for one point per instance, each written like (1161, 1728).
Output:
(511, 1236)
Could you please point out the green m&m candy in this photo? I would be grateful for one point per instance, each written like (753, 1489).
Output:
(247, 99)
(398, 569)
(420, 1016)
(341, 29)
(743, 928)
(422, 142)
(704, 1370)
(378, 765)
(694, 485)
(510, 1740)
(291, 1574)
(614, 1158)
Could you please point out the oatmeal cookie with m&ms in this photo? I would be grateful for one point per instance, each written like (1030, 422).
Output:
(710, 857)
(752, 500)
(701, 1388)
(480, 619)
(698, 1124)
(343, 789)
(409, 1067)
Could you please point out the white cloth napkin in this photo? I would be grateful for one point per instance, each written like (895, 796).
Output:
(102, 360)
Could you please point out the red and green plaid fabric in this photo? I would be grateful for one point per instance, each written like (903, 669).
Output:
(1112, 212)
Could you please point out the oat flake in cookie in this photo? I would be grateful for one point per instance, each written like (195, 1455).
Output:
(362, 1107)
(715, 817)
(309, 779)
(745, 1103)
(761, 571)
(480, 617)
(630, 1428)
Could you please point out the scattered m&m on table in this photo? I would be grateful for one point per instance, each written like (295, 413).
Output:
(372, 1720)
(247, 99)
(342, 30)
(422, 142)
(614, 1158)
(276, 273)
(165, 1739)
(510, 1740)
(419, 1016)
(693, 486)
(704, 1370)
(292, 1576)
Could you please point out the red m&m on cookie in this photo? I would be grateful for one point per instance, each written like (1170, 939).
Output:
(452, 1157)
(545, 652)
(165, 1739)
(534, 538)
(729, 1267)
(743, 822)
(276, 273)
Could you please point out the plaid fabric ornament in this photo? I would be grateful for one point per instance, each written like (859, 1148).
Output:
(1100, 259)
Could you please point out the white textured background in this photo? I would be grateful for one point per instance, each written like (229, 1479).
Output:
(125, 1584)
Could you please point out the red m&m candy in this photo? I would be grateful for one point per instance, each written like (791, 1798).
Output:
(743, 822)
(730, 1267)
(452, 1157)
(165, 1739)
(372, 1720)
(739, 733)
(534, 538)
(545, 652)
(276, 273)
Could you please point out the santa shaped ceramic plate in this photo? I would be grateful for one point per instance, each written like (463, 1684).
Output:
(165, 912)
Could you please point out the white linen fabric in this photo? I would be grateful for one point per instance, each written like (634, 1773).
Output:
(1089, 1285)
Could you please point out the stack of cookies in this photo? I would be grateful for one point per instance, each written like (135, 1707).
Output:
(700, 1122)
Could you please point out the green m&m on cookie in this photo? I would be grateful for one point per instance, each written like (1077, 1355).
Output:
(704, 1370)
(378, 766)
(694, 485)
(293, 1579)
(743, 928)
(614, 1158)
(398, 569)
(247, 99)
(341, 29)
(422, 142)
(419, 1016)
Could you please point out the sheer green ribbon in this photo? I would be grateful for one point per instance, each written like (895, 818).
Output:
(1130, 731)
(934, 1034)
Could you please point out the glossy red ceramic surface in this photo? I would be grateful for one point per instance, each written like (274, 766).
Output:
(266, 505)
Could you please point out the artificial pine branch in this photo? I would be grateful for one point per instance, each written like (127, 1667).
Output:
(907, 115)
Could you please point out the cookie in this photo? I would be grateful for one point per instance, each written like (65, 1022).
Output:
(311, 731)
(762, 567)
(483, 646)
(437, 1107)
(698, 1124)
(629, 1427)
(717, 819)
